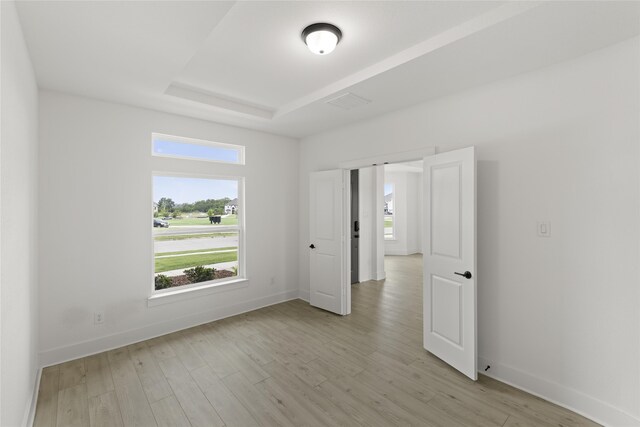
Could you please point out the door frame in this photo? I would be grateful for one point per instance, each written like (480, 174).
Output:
(383, 159)
(352, 224)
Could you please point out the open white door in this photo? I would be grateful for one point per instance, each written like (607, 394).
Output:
(450, 259)
(329, 281)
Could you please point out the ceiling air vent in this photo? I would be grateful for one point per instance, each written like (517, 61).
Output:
(348, 101)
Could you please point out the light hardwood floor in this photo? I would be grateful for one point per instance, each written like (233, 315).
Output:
(288, 365)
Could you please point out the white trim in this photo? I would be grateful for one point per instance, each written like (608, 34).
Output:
(200, 142)
(378, 266)
(346, 242)
(303, 295)
(574, 400)
(396, 157)
(398, 252)
(30, 413)
(180, 174)
(85, 348)
(394, 216)
(171, 295)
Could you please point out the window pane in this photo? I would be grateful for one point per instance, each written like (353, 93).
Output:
(201, 150)
(192, 241)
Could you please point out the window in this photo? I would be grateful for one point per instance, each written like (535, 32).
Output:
(197, 230)
(389, 229)
(196, 149)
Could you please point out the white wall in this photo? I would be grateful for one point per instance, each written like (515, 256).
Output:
(18, 213)
(414, 213)
(366, 268)
(95, 189)
(559, 315)
(407, 205)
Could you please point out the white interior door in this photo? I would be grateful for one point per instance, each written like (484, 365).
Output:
(328, 251)
(450, 294)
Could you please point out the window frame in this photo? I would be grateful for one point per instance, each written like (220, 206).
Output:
(393, 214)
(200, 142)
(216, 284)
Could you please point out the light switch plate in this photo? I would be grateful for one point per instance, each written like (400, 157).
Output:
(544, 228)
(98, 318)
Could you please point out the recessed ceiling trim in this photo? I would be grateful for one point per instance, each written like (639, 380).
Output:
(472, 26)
(348, 101)
(220, 102)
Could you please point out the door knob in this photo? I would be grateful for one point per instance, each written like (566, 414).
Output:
(312, 246)
(466, 274)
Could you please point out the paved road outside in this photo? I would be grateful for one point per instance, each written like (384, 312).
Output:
(188, 229)
(195, 244)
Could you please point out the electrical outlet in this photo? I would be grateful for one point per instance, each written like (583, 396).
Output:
(544, 228)
(98, 317)
(273, 281)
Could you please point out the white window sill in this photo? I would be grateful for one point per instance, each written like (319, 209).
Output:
(390, 239)
(184, 294)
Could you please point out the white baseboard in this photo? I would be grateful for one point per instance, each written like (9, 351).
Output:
(303, 295)
(398, 252)
(380, 275)
(364, 277)
(30, 410)
(109, 342)
(574, 400)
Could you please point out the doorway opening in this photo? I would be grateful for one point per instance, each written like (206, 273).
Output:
(403, 197)
(385, 219)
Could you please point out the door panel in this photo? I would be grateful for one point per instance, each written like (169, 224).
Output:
(325, 227)
(445, 210)
(327, 267)
(450, 296)
(446, 314)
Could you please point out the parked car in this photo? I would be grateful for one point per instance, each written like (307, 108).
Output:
(160, 223)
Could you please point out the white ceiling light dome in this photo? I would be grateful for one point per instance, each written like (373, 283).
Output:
(321, 38)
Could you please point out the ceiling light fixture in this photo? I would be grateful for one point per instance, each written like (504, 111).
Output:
(321, 38)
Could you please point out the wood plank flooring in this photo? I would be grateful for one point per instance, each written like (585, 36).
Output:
(291, 365)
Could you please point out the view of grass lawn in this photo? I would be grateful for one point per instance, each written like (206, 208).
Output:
(188, 261)
(225, 220)
(388, 221)
(161, 238)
